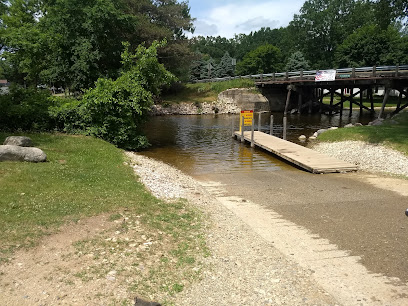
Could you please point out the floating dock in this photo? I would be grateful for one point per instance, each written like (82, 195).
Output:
(302, 157)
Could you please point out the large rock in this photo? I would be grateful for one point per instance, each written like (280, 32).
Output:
(17, 153)
(378, 121)
(21, 141)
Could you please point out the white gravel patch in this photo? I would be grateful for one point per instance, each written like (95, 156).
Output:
(368, 157)
(162, 180)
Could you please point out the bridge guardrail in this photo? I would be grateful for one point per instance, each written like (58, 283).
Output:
(341, 73)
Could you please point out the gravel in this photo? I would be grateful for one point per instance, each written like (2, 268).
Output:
(243, 268)
(368, 157)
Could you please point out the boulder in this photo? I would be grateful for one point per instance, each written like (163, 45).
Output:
(302, 137)
(321, 131)
(358, 124)
(378, 121)
(312, 138)
(21, 141)
(349, 125)
(333, 128)
(17, 153)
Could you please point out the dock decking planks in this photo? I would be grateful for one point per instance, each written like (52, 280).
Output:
(303, 157)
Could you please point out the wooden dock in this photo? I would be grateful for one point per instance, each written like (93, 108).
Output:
(303, 157)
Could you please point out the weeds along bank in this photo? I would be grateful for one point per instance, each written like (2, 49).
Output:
(82, 228)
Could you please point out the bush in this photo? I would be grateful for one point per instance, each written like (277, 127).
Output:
(115, 110)
(65, 116)
(25, 109)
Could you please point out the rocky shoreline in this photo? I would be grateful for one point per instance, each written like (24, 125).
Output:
(230, 101)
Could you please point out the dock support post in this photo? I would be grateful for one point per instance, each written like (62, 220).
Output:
(271, 126)
(387, 93)
(242, 129)
(232, 129)
(252, 133)
(351, 101)
(342, 102)
(285, 121)
(259, 121)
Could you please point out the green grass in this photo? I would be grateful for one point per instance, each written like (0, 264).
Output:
(393, 133)
(82, 177)
(205, 92)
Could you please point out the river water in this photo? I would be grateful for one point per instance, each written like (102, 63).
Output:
(200, 144)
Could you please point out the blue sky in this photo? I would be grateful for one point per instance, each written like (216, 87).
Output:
(228, 17)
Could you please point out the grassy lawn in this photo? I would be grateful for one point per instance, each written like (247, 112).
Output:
(86, 177)
(205, 92)
(393, 133)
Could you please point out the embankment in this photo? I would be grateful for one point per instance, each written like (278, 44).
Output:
(230, 101)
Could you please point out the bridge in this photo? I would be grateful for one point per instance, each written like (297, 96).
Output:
(300, 91)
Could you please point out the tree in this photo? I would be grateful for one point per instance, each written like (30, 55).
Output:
(115, 110)
(264, 59)
(208, 69)
(322, 25)
(225, 67)
(297, 62)
(24, 44)
(72, 43)
(371, 46)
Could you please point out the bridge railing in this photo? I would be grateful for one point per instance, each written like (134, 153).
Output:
(342, 73)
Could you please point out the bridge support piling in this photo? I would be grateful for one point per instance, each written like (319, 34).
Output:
(361, 102)
(371, 99)
(387, 93)
(331, 101)
(351, 101)
(399, 101)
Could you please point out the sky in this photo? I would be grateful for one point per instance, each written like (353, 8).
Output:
(228, 17)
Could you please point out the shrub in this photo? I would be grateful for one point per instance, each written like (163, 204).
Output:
(25, 109)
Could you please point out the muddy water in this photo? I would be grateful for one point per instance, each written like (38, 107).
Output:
(200, 144)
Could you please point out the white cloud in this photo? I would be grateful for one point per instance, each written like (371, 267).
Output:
(246, 16)
(204, 28)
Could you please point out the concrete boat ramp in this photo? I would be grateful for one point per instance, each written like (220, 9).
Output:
(300, 156)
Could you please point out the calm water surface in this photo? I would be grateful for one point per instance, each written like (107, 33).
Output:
(200, 144)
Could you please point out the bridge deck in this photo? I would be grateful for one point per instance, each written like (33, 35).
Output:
(303, 157)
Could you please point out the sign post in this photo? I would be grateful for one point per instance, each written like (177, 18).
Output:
(245, 119)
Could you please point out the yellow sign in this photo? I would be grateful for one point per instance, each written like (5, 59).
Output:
(247, 116)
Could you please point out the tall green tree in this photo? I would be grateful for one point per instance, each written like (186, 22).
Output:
(370, 45)
(115, 110)
(24, 44)
(322, 25)
(297, 62)
(72, 43)
(225, 67)
(264, 59)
